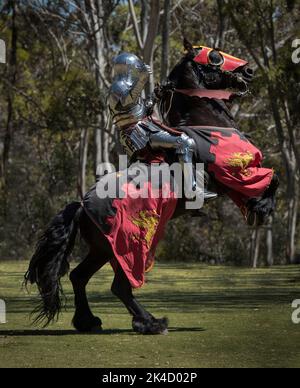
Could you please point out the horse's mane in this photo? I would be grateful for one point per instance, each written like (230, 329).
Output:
(185, 74)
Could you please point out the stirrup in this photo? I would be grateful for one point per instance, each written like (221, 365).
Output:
(209, 196)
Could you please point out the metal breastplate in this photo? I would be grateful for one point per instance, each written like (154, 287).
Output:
(129, 116)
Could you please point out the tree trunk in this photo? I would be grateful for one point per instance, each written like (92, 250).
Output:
(220, 36)
(256, 237)
(144, 19)
(290, 163)
(293, 207)
(101, 139)
(150, 40)
(270, 251)
(165, 63)
(146, 46)
(98, 157)
(84, 143)
(106, 138)
(12, 72)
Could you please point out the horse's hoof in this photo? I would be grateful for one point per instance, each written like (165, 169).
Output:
(96, 329)
(151, 325)
(251, 218)
(87, 325)
(261, 219)
(97, 325)
(255, 219)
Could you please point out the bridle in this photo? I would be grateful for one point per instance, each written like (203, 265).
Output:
(215, 94)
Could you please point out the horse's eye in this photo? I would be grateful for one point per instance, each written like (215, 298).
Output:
(215, 58)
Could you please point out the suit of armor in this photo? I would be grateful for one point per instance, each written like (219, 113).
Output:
(129, 113)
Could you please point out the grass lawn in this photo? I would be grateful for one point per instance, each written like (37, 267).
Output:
(219, 317)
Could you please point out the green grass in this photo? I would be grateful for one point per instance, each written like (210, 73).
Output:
(219, 317)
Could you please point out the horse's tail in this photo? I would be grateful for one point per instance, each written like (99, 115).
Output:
(50, 262)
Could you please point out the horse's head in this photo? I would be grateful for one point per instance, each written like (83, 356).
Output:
(208, 68)
(213, 76)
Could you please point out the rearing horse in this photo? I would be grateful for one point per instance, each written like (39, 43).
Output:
(50, 260)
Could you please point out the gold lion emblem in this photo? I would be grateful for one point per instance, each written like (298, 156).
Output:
(242, 161)
(147, 220)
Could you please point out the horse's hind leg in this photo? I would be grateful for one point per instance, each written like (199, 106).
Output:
(99, 254)
(83, 319)
(143, 322)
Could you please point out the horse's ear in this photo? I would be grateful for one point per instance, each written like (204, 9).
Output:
(188, 46)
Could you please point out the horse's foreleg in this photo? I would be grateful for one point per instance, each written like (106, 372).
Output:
(143, 322)
(83, 319)
(265, 206)
(122, 289)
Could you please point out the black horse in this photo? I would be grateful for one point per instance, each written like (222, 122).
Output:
(50, 261)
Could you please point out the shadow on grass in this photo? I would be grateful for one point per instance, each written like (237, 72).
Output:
(55, 333)
(235, 290)
(177, 301)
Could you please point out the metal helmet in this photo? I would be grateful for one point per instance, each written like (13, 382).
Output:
(130, 75)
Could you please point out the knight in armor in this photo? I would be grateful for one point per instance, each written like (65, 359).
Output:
(130, 113)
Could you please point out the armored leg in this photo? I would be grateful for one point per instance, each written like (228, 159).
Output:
(145, 133)
(184, 147)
